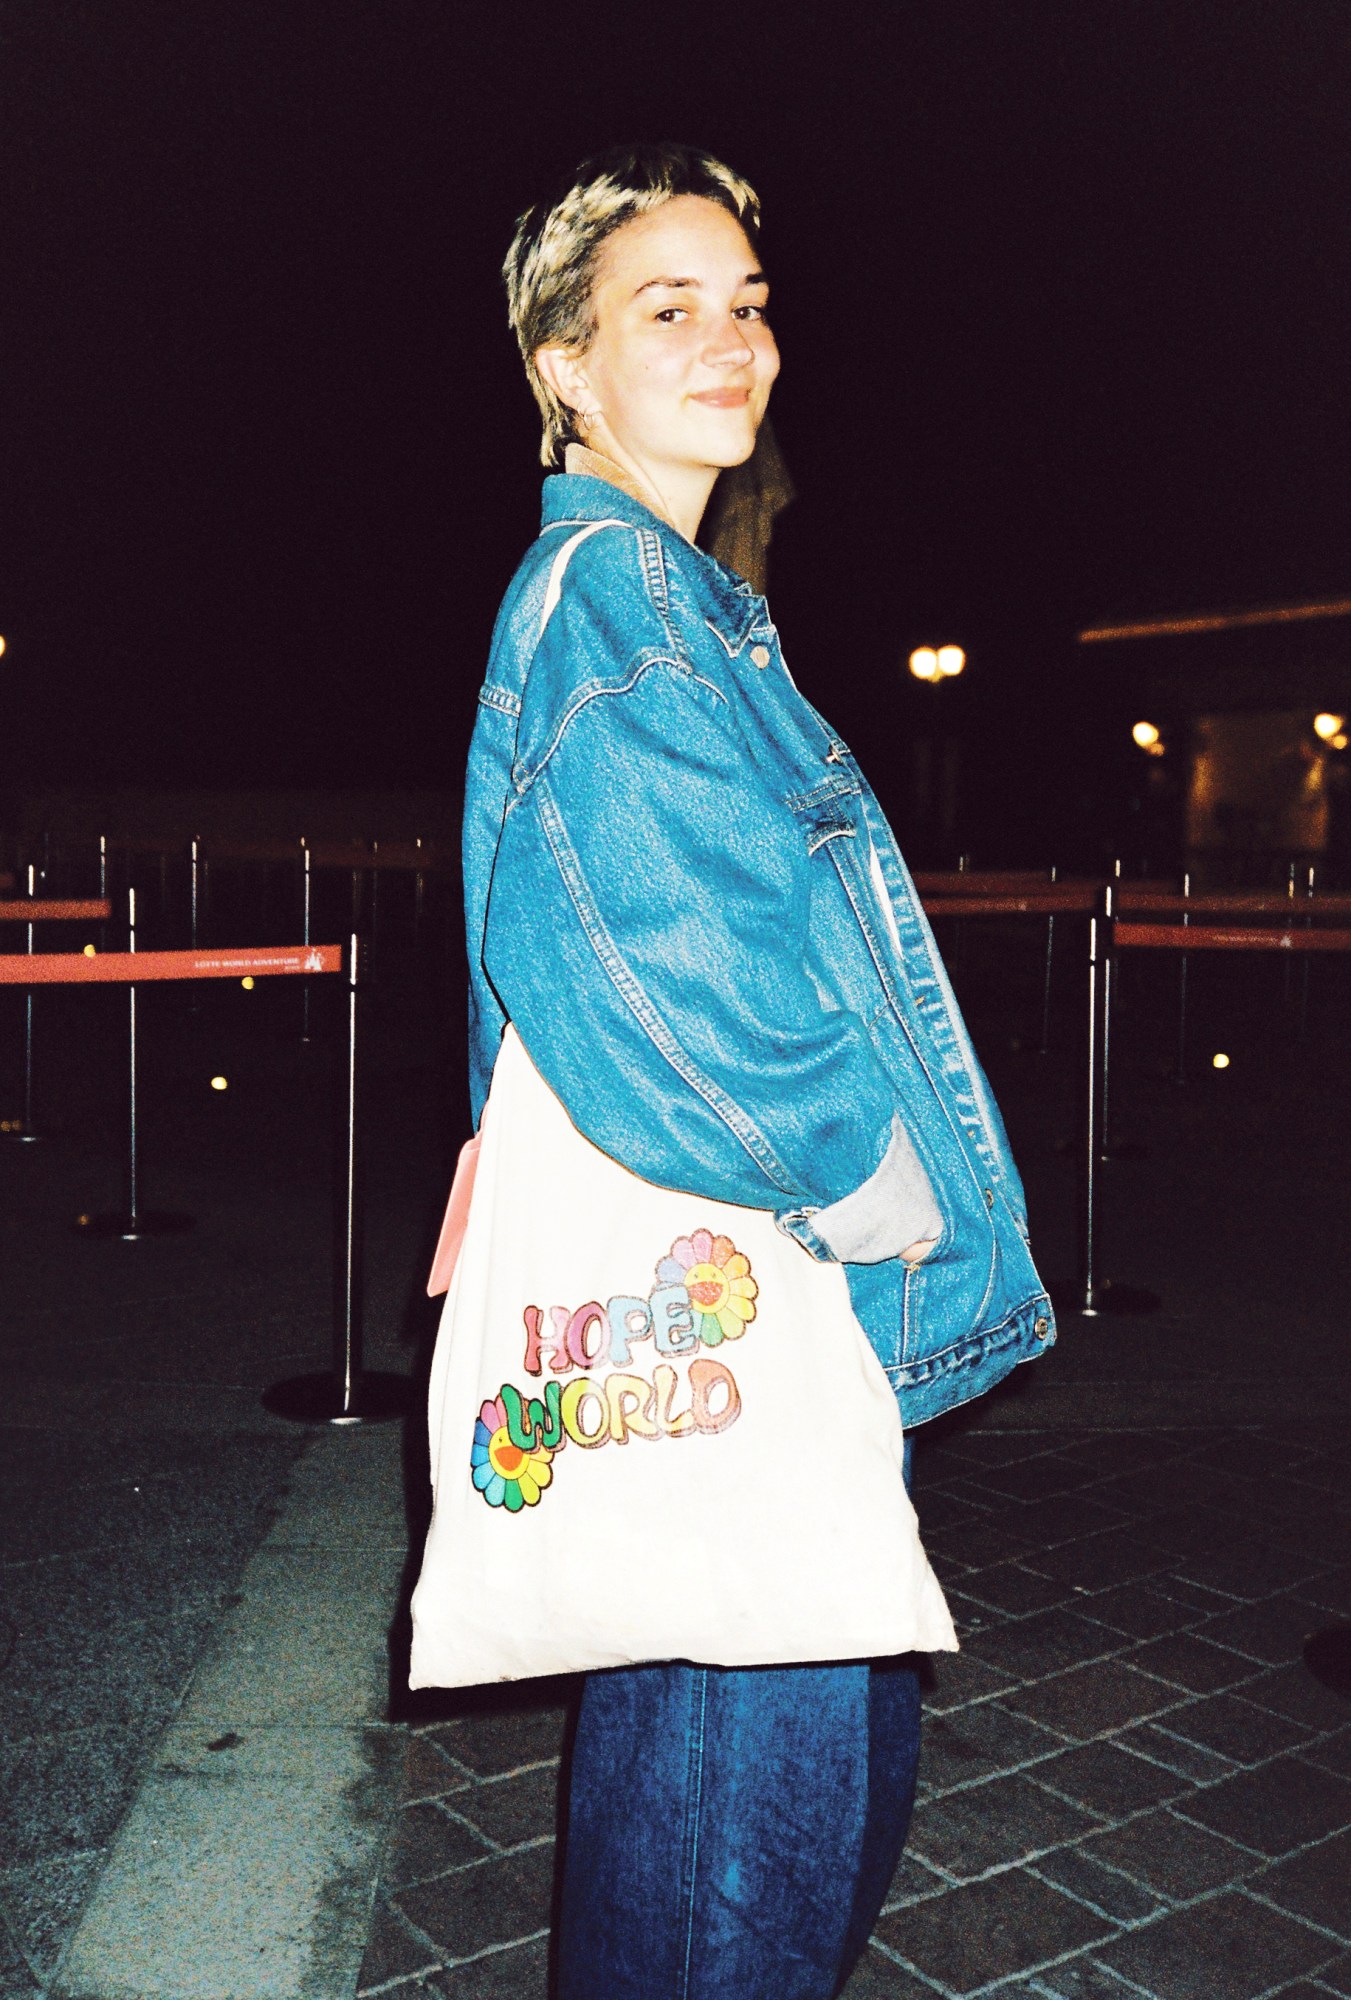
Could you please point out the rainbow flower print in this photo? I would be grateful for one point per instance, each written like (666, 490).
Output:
(718, 1280)
(505, 1475)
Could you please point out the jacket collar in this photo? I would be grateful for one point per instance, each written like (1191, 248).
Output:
(592, 488)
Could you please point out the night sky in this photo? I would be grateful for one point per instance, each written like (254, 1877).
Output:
(1061, 290)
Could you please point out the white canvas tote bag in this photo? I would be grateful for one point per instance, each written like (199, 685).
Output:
(657, 1431)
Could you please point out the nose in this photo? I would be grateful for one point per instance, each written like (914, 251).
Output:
(729, 347)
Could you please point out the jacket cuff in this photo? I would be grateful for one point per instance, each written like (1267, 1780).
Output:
(893, 1208)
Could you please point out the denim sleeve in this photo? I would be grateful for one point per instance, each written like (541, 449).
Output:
(646, 934)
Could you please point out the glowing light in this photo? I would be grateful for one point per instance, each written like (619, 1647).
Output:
(924, 663)
(90, 952)
(1146, 735)
(1328, 726)
(1340, 740)
(951, 660)
(2, 645)
(247, 982)
(1219, 1062)
(219, 1083)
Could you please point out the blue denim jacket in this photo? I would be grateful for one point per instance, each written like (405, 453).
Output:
(681, 890)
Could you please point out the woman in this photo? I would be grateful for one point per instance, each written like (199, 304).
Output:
(682, 893)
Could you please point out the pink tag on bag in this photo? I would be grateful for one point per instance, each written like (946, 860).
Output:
(456, 1219)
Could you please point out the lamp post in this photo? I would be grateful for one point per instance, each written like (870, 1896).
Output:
(935, 776)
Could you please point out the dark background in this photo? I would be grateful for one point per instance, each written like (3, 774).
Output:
(1061, 289)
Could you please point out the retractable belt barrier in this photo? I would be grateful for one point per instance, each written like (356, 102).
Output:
(117, 968)
(1297, 935)
(32, 910)
(1224, 937)
(364, 860)
(1050, 899)
(348, 1394)
(54, 909)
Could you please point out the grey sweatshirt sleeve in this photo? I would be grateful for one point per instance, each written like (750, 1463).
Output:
(892, 1209)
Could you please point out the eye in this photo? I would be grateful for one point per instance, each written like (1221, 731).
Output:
(751, 312)
(670, 314)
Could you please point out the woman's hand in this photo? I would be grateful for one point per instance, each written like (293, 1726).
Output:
(918, 1252)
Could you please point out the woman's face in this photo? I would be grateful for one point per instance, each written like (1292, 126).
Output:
(682, 360)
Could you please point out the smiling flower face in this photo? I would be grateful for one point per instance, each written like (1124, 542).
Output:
(505, 1475)
(718, 1280)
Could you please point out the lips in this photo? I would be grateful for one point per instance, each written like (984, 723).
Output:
(724, 399)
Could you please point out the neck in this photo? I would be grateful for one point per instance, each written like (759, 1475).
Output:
(680, 494)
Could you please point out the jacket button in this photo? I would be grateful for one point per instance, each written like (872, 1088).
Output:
(760, 655)
(1041, 1328)
(989, 1197)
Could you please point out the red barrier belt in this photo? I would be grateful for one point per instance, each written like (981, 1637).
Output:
(1233, 902)
(132, 968)
(1223, 937)
(52, 910)
(1048, 902)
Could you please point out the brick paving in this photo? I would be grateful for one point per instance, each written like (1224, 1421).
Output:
(1130, 1783)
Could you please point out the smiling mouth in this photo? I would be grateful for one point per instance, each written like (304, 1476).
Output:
(724, 399)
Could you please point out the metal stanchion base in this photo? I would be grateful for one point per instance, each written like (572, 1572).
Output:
(319, 1399)
(1328, 1657)
(1067, 1296)
(18, 1134)
(131, 1228)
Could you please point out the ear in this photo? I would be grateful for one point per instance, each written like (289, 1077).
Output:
(565, 373)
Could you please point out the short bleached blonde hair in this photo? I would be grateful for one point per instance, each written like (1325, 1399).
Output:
(550, 268)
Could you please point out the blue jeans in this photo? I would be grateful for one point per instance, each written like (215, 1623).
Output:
(732, 1831)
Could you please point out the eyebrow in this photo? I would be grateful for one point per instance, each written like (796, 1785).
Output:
(683, 284)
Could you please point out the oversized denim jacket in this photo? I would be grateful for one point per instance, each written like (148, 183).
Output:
(681, 890)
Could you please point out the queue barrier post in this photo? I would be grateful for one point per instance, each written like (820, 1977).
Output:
(1091, 1294)
(133, 1223)
(194, 911)
(1304, 966)
(1089, 1303)
(1045, 1044)
(1105, 1102)
(1108, 1147)
(350, 1394)
(1180, 1075)
(22, 1128)
(306, 878)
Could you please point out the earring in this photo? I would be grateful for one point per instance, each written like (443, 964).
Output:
(590, 418)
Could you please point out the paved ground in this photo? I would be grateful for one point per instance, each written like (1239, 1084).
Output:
(1131, 1785)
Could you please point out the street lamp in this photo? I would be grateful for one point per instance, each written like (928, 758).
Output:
(926, 664)
(1328, 726)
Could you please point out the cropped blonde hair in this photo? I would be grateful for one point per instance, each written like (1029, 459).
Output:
(551, 266)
